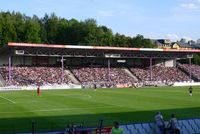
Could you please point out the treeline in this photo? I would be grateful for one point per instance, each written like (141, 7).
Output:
(196, 59)
(50, 29)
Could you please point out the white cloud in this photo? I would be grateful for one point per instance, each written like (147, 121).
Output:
(175, 37)
(187, 38)
(190, 6)
(172, 37)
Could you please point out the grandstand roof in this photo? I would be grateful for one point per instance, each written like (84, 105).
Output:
(97, 51)
(11, 44)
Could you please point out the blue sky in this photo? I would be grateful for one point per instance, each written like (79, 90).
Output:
(171, 19)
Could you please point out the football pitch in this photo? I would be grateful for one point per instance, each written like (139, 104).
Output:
(54, 109)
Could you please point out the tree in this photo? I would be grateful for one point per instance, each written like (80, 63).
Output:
(104, 36)
(32, 32)
(183, 40)
(51, 26)
(73, 32)
(1, 27)
(121, 40)
(90, 32)
(140, 41)
(43, 31)
(20, 26)
(51, 29)
(196, 59)
(8, 31)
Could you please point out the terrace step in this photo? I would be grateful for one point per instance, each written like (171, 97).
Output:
(2, 81)
(127, 71)
(72, 77)
(187, 73)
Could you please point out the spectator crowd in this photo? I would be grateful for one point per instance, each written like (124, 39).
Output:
(24, 76)
(112, 76)
(160, 73)
(195, 70)
(102, 75)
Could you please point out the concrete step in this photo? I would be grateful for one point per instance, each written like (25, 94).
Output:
(72, 77)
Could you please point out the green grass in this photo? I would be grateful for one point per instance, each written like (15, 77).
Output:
(54, 109)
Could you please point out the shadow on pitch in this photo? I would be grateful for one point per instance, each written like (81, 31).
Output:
(13, 125)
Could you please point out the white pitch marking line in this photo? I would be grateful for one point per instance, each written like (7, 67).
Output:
(58, 109)
(76, 96)
(7, 99)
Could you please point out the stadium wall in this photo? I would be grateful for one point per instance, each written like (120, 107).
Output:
(165, 62)
(170, 63)
(186, 126)
(186, 84)
(3, 60)
(45, 87)
(53, 60)
(18, 60)
(28, 60)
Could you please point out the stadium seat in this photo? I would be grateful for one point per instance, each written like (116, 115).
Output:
(154, 128)
(132, 129)
(193, 125)
(197, 122)
(147, 128)
(184, 130)
(185, 126)
(140, 129)
(125, 129)
(188, 126)
(179, 125)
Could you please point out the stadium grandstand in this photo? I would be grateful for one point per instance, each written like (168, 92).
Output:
(51, 66)
(25, 64)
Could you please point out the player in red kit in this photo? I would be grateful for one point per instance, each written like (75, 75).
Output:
(38, 91)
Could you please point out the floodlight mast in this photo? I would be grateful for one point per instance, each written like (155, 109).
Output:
(9, 68)
(62, 66)
(190, 69)
(110, 56)
(109, 69)
(190, 64)
(9, 65)
(150, 61)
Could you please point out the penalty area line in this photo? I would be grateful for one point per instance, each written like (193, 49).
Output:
(7, 99)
